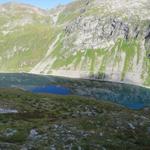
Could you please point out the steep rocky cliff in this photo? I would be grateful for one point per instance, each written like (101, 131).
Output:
(102, 39)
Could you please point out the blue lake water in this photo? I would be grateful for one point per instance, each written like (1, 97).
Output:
(135, 106)
(60, 90)
(52, 89)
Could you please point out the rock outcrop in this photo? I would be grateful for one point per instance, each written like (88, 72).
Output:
(107, 39)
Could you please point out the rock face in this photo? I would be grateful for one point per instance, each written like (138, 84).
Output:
(147, 38)
(96, 32)
(107, 39)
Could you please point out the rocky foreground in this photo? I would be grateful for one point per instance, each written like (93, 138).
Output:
(49, 122)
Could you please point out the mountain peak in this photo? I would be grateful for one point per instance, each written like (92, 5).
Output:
(16, 6)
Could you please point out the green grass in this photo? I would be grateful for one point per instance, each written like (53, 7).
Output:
(71, 12)
(146, 68)
(43, 111)
(131, 48)
(94, 11)
(87, 60)
(34, 39)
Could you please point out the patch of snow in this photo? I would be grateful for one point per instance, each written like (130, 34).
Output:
(5, 111)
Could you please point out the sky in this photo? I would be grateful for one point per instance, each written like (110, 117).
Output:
(46, 4)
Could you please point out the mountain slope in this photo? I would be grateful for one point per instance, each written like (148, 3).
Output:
(98, 39)
(47, 122)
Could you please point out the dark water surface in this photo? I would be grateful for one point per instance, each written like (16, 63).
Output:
(128, 95)
(135, 105)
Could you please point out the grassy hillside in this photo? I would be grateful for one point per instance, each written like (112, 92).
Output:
(81, 39)
(49, 121)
